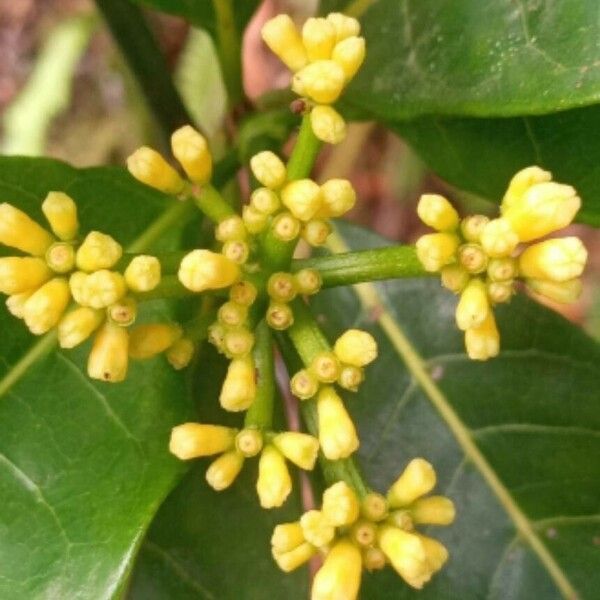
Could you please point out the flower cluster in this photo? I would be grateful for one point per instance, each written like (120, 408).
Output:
(353, 533)
(62, 271)
(324, 58)
(481, 259)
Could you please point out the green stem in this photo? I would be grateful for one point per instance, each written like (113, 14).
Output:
(229, 49)
(196, 330)
(143, 55)
(169, 287)
(276, 253)
(210, 201)
(365, 265)
(260, 414)
(308, 340)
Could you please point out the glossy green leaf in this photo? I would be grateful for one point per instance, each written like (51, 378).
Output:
(83, 465)
(481, 155)
(533, 415)
(476, 57)
(215, 545)
(201, 13)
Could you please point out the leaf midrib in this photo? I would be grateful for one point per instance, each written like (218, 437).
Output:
(372, 302)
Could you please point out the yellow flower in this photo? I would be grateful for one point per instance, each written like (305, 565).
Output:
(520, 183)
(16, 303)
(239, 387)
(340, 504)
(355, 347)
(318, 37)
(268, 169)
(316, 528)
(77, 326)
(339, 577)
(61, 212)
(44, 308)
(473, 306)
(349, 54)
(265, 200)
(99, 289)
(337, 434)
(563, 292)
(498, 238)
(344, 26)
(98, 251)
(303, 198)
(22, 274)
(282, 37)
(434, 210)
(294, 558)
(483, 341)
(327, 124)
(18, 231)
(322, 81)
(274, 483)
(338, 198)
(108, 360)
(149, 167)
(433, 510)
(146, 341)
(223, 471)
(556, 260)
(194, 440)
(435, 250)
(143, 273)
(202, 270)
(415, 481)
(299, 448)
(287, 536)
(191, 149)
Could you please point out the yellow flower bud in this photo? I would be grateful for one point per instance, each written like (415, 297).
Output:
(316, 232)
(434, 210)
(16, 303)
(303, 198)
(483, 342)
(308, 281)
(194, 440)
(473, 306)
(268, 169)
(299, 448)
(498, 238)
(435, 553)
(436, 250)
(98, 251)
(99, 289)
(238, 342)
(373, 559)
(239, 387)
(282, 37)
(149, 167)
(502, 269)
(454, 278)
(123, 312)
(202, 270)
(254, 220)
(374, 507)
(316, 529)
(143, 273)
(77, 326)
(364, 533)
(556, 260)
(563, 292)
(292, 559)
(279, 316)
(151, 339)
(243, 292)
(109, 358)
(520, 183)
(355, 347)
(402, 519)
(318, 36)
(45, 306)
(232, 314)
(22, 274)
(338, 198)
(326, 367)
(473, 258)
(350, 378)
(281, 287)
(287, 536)
(433, 510)
(500, 291)
(191, 149)
(216, 336)
(406, 552)
(249, 442)
(544, 208)
(472, 226)
(337, 434)
(349, 54)
(61, 212)
(230, 229)
(344, 26)
(236, 251)
(180, 354)
(18, 231)
(327, 124)
(285, 227)
(415, 481)
(322, 81)
(223, 471)
(304, 384)
(265, 200)
(274, 483)
(340, 504)
(60, 257)
(340, 575)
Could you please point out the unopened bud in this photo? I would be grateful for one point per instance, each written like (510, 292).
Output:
(563, 292)
(123, 312)
(149, 340)
(18, 231)
(355, 347)
(434, 210)
(473, 306)
(202, 270)
(349, 54)
(373, 559)
(340, 575)
(254, 220)
(292, 559)
(327, 124)
(149, 167)
(99, 289)
(61, 212)
(299, 448)
(316, 528)
(338, 198)
(286, 227)
(436, 250)
(180, 354)
(337, 434)
(286, 537)
(239, 387)
(472, 227)
(498, 238)
(556, 259)
(326, 367)
(232, 314)
(223, 471)
(308, 281)
(483, 342)
(274, 483)
(98, 251)
(238, 342)
(265, 200)
(77, 326)
(318, 36)
(433, 510)
(22, 274)
(249, 442)
(502, 269)
(268, 169)
(344, 26)
(417, 479)
(340, 504)
(279, 316)
(316, 232)
(500, 291)
(281, 287)
(16, 303)
(473, 258)
(236, 251)
(230, 229)
(243, 292)
(143, 273)
(454, 278)
(304, 384)
(364, 533)
(45, 307)
(61, 257)
(351, 378)
(374, 507)
(109, 358)
(282, 37)
(194, 440)
(191, 149)
(216, 336)
(520, 183)
(303, 198)
(322, 81)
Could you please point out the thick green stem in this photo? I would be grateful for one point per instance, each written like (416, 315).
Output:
(260, 414)
(276, 253)
(229, 49)
(210, 201)
(308, 340)
(365, 265)
(129, 29)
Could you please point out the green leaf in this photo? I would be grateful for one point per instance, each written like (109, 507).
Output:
(481, 155)
(515, 441)
(215, 545)
(476, 57)
(201, 13)
(83, 465)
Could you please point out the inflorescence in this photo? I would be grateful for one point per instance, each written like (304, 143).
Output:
(84, 286)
